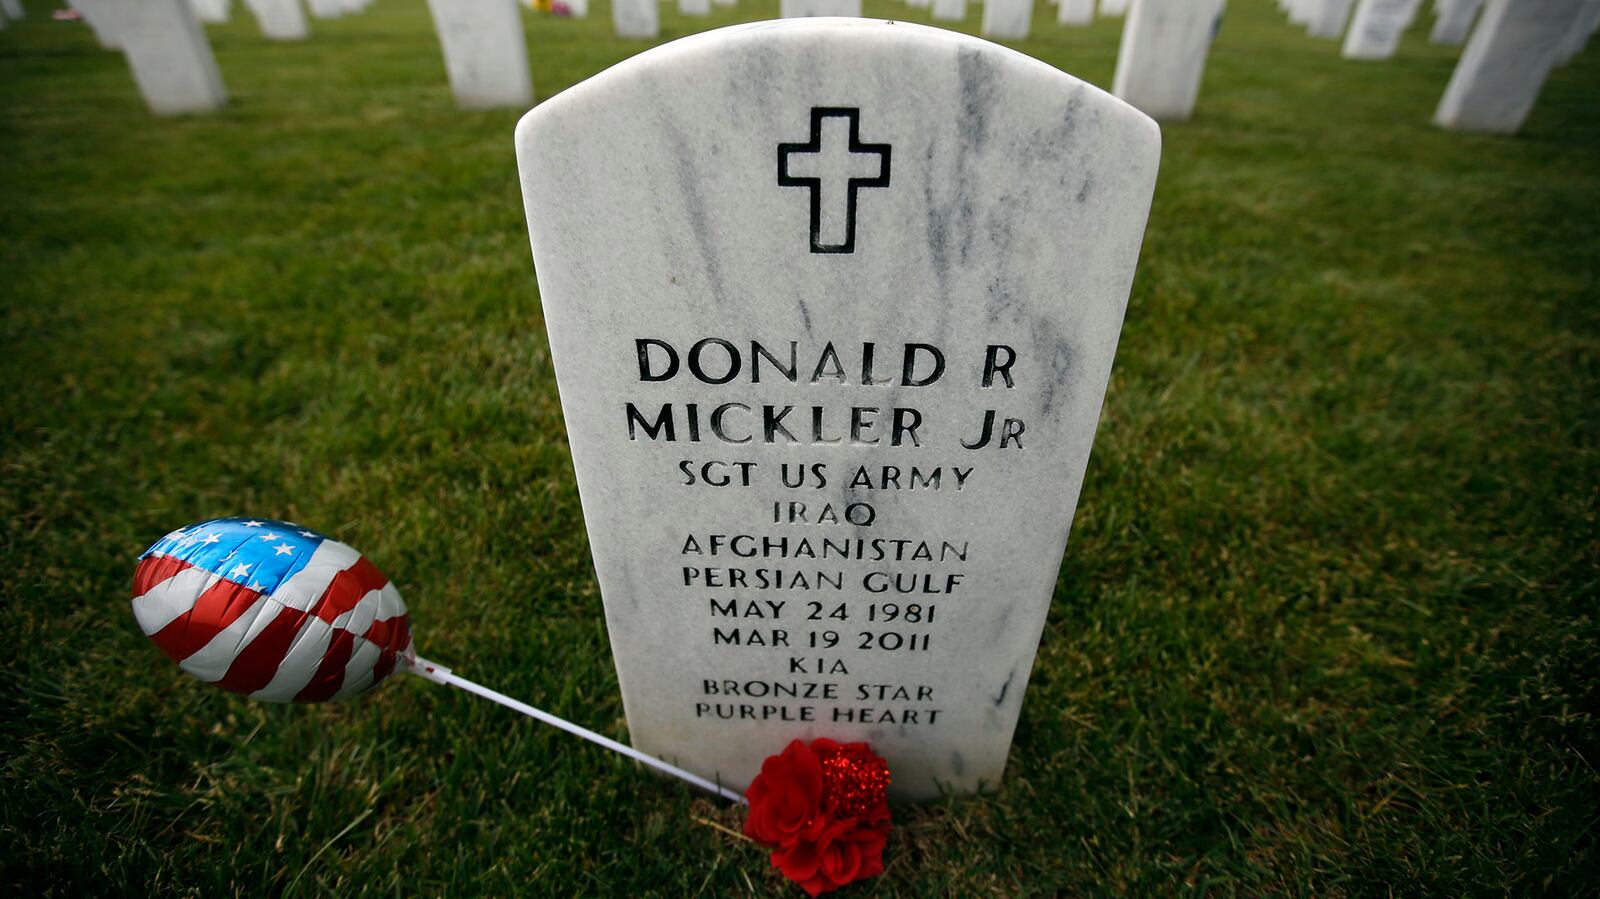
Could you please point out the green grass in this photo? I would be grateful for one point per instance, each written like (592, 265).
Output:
(1326, 625)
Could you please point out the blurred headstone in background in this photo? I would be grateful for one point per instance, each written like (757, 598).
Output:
(1163, 55)
(485, 52)
(636, 18)
(280, 20)
(1376, 28)
(1454, 24)
(1007, 19)
(1075, 12)
(1505, 64)
(167, 50)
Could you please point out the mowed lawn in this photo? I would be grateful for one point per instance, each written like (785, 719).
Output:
(1326, 625)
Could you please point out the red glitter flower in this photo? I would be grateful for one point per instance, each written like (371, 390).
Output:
(824, 811)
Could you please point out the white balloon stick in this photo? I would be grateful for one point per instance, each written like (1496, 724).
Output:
(439, 674)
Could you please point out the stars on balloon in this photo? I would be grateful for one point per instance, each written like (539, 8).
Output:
(252, 524)
(270, 536)
(211, 538)
(284, 549)
(239, 570)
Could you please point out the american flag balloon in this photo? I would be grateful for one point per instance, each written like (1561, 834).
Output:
(271, 610)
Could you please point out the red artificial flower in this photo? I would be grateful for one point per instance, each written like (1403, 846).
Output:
(824, 811)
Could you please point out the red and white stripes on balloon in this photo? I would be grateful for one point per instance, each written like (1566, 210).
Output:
(333, 629)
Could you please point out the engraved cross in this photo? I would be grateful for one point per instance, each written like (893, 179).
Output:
(833, 166)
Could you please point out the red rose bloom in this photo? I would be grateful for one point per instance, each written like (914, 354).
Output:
(824, 811)
(785, 797)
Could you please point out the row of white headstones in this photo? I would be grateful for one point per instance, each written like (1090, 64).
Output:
(1512, 49)
(1165, 43)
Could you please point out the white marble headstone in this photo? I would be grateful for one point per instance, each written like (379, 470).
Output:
(782, 267)
(801, 9)
(325, 9)
(1376, 27)
(1578, 36)
(1163, 55)
(1454, 24)
(694, 7)
(280, 20)
(1505, 64)
(1113, 7)
(211, 12)
(485, 52)
(950, 10)
(636, 18)
(101, 21)
(13, 9)
(1007, 19)
(1328, 19)
(1075, 12)
(171, 60)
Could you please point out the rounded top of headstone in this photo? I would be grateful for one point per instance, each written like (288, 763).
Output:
(776, 57)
